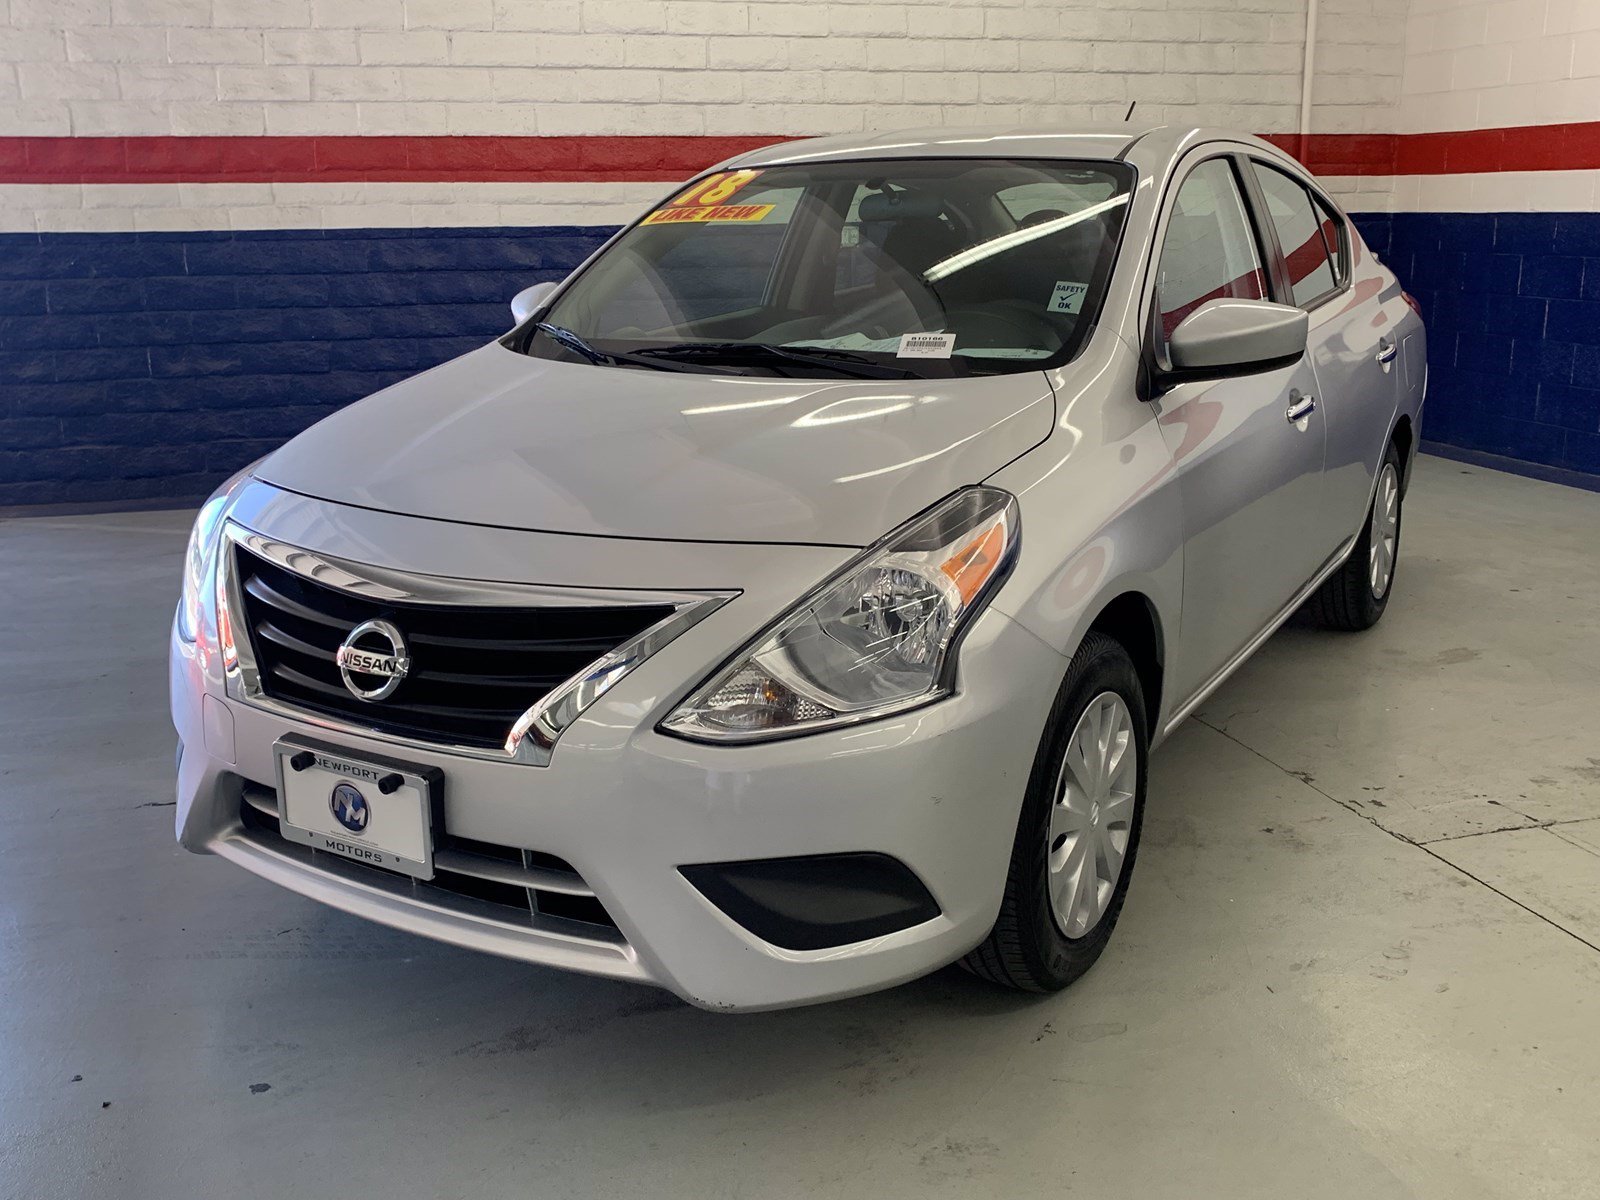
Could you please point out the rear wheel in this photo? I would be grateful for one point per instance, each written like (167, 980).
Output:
(1355, 596)
(1079, 828)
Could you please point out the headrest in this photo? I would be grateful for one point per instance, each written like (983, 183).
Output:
(900, 206)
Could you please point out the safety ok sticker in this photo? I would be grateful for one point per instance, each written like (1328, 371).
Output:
(709, 212)
(1068, 297)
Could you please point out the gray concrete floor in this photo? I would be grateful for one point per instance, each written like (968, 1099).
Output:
(1359, 958)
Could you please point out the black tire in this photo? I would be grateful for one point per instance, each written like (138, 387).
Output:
(1027, 949)
(1346, 600)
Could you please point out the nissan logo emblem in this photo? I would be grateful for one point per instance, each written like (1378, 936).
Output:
(373, 659)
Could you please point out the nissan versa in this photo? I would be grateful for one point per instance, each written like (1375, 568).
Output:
(788, 605)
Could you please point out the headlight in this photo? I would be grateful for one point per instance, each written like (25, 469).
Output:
(202, 548)
(877, 638)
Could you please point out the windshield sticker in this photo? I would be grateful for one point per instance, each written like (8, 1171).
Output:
(1018, 352)
(852, 341)
(699, 214)
(714, 189)
(927, 345)
(1068, 297)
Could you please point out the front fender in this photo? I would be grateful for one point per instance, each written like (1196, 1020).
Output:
(1100, 518)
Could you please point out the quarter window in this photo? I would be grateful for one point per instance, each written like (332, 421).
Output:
(1210, 252)
(1308, 234)
(1333, 233)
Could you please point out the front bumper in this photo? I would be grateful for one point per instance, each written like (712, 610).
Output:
(937, 789)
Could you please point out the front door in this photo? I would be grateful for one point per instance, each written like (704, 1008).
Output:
(1248, 451)
(1352, 339)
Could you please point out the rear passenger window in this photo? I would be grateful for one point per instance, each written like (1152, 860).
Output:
(1210, 251)
(1308, 233)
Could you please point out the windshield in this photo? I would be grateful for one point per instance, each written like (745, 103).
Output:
(887, 269)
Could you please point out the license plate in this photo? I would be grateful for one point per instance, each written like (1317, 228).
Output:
(371, 809)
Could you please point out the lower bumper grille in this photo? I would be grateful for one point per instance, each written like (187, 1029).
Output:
(525, 888)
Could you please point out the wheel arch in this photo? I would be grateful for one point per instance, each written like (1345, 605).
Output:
(1130, 618)
(1404, 439)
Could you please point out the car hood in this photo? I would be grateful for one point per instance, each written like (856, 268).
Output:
(499, 438)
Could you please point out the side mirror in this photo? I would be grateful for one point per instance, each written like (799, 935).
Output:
(1235, 337)
(529, 301)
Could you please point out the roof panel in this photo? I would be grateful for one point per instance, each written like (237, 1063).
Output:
(1085, 141)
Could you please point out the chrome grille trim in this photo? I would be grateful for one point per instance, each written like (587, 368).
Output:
(386, 584)
(529, 738)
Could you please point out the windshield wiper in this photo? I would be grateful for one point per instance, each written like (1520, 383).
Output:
(565, 337)
(568, 340)
(846, 363)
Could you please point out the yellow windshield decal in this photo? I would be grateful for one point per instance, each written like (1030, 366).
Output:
(711, 212)
(714, 189)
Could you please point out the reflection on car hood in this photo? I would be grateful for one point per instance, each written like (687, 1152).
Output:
(499, 438)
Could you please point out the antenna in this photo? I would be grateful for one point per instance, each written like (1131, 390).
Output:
(1129, 115)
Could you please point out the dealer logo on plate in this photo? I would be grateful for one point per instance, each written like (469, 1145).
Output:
(350, 807)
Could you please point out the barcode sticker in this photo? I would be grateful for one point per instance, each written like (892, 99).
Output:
(926, 345)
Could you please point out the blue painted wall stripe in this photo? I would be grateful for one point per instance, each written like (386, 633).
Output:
(1512, 302)
(148, 366)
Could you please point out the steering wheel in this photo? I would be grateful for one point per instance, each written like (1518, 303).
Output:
(1003, 323)
(882, 317)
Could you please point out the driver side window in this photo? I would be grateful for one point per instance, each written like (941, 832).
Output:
(1210, 251)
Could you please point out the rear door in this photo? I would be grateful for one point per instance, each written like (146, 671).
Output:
(1350, 342)
(1249, 474)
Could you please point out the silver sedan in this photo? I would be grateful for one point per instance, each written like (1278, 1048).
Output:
(789, 604)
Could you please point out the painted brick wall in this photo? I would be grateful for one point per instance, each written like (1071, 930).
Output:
(153, 365)
(89, 68)
(1481, 64)
(1506, 263)
(1513, 308)
(688, 66)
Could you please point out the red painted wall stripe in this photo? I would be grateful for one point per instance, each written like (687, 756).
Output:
(1570, 147)
(658, 159)
(355, 159)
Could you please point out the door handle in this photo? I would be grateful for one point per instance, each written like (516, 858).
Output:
(1386, 351)
(1301, 406)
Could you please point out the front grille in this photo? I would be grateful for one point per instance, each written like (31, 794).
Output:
(525, 888)
(474, 670)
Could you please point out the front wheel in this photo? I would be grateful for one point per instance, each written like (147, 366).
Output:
(1354, 597)
(1079, 828)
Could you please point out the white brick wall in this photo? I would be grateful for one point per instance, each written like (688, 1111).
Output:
(685, 66)
(1481, 64)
